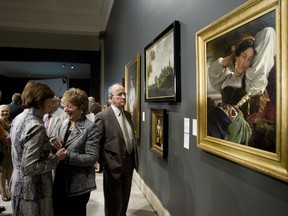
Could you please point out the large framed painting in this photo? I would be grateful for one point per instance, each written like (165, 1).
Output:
(162, 66)
(242, 87)
(132, 87)
(159, 132)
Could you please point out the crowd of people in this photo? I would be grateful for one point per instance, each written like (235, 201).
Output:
(51, 148)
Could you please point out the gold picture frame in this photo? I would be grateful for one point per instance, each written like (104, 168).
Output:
(132, 87)
(217, 40)
(159, 132)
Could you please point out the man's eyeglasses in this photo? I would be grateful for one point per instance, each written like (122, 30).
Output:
(119, 94)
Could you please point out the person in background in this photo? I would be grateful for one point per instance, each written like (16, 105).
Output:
(3, 136)
(108, 103)
(91, 105)
(54, 119)
(75, 176)
(118, 156)
(5, 145)
(94, 108)
(58, 100)
(0, 96)
(15, 106)
(91, 99)
(32, 157)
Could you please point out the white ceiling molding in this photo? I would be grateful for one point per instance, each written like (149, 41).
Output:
(88, 17)
(51, 24)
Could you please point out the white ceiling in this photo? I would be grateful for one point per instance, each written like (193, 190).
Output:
(51, 24)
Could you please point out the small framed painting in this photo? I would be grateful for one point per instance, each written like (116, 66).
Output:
(159, 132)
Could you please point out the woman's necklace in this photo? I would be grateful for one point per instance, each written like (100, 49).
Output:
(72, 126)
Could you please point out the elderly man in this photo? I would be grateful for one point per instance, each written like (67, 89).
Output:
(118, 156)
(54, 119)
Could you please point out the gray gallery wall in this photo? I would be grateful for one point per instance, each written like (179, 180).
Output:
(191, 182)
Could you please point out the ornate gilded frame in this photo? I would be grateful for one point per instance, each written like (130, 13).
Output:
(274, 164)
(132, 74)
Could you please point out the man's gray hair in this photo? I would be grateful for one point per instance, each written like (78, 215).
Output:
(111, 87)
(16, 98)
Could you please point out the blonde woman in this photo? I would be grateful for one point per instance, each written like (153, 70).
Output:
(6, 166)
(75, 176)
